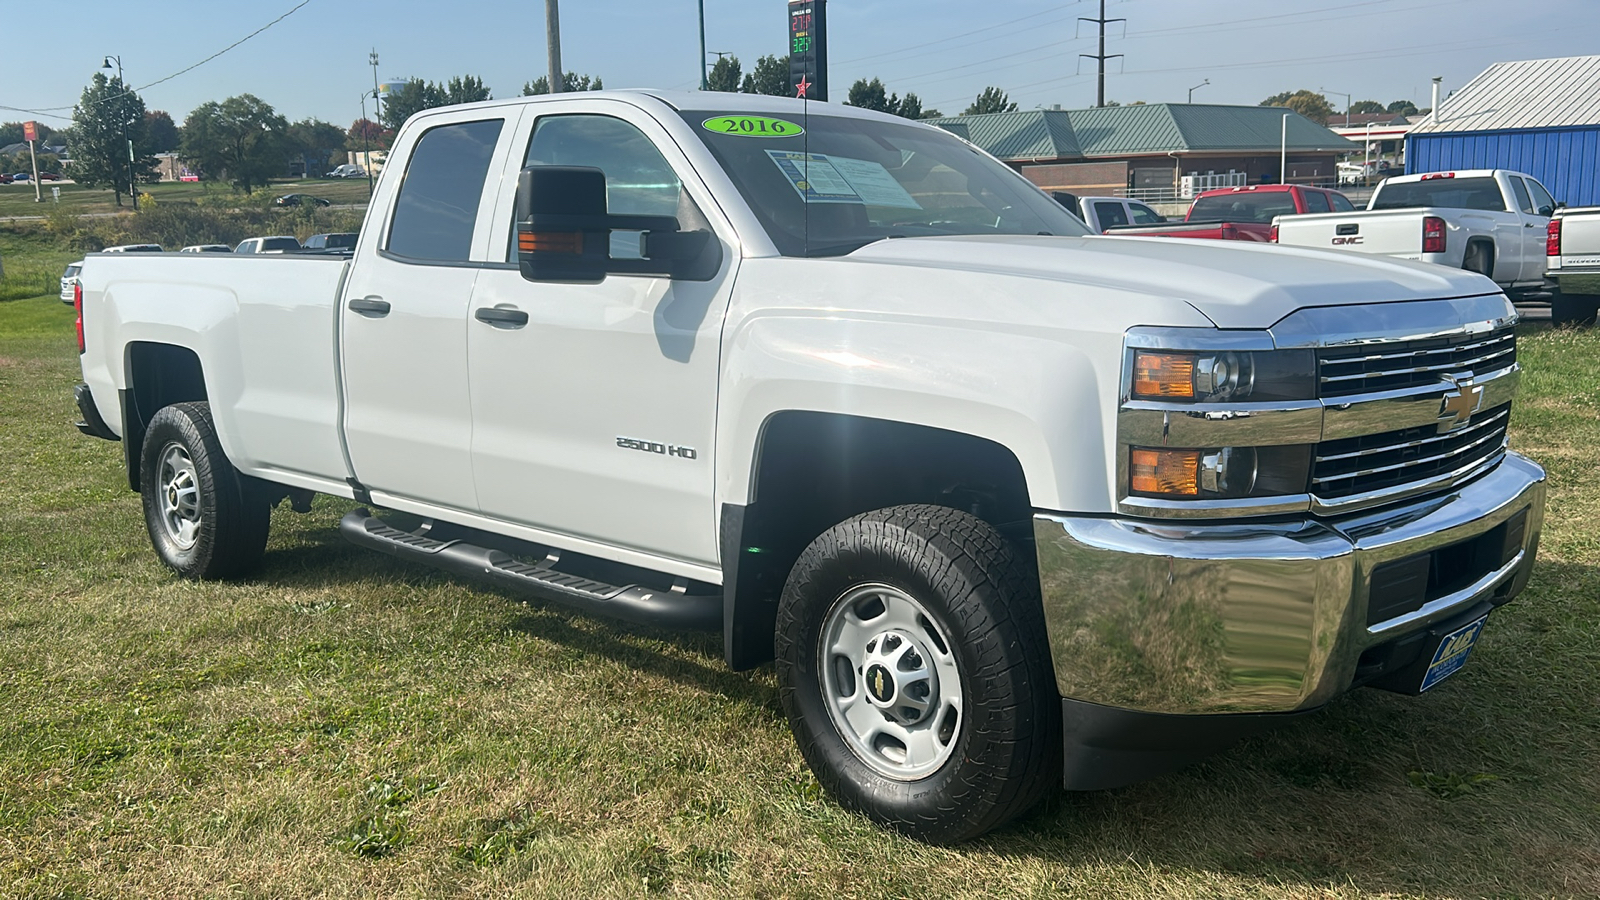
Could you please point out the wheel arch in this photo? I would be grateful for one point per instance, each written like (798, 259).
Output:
(813, 469)
(156, 375)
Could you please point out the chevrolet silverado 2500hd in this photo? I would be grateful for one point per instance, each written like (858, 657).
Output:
(1572, 254)
(1489, 221)
(1008, 503)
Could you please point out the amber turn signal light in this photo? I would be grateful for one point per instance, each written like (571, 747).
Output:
(1160, 375)
(1169, 473)
(550, 242)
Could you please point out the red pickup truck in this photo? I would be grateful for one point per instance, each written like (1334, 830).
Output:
(1244, 213)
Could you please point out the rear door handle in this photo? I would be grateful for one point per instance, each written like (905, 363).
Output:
(371, 307)
(500, 317)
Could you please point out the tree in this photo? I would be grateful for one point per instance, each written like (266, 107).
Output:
(1310, 104)
(241, 139)
(160, 131)
(107, 117)
(1361, 107)
(571, 83)
(872, 95)
(409, 99)
(365, 134)
(316, 142)
(992, 100)
(725, 75)
(770, 77)
(465, 89)
(1401, 108)
(11, 133)
(911, 108)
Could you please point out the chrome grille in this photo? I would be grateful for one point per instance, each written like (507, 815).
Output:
(1345, 371)
(1373, 462)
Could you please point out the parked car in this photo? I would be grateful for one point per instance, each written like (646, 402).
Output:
(69, 281)
(348, 170)
(1572, 255)
(20, 176)
(282, 243)
(1009, 505)
(134, 248)
(1490, 221)
(1245, 213)
(344, 240)
(49, 176)
(300, 200)
(6, 179)
(1100, 213)
(207, 248)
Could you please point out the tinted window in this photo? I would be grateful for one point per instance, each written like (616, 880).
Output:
(1243, 207)
(280, 243)
(1447, 193)
(1317, 202)
(1144, 215)
(1110, 214)
(639, 181)
(438, 202)
(1341, 203)
(1524, 202)
(1543, 204)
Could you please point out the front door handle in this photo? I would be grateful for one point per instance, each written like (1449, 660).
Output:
(371, 307)
(500, 317)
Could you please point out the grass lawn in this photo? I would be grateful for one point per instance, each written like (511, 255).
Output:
(344, 724)
(17, 199)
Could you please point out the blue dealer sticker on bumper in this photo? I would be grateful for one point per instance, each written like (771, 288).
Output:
(1452, 653)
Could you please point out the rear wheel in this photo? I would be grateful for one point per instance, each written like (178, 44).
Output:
(205, 520)
(913, 667)
(1479, 258)
(1573, 309)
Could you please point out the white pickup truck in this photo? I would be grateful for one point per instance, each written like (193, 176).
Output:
(1008, 503)
(1572, 251)
(1490, 221)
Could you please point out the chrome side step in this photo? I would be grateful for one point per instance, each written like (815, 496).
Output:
(673, 607)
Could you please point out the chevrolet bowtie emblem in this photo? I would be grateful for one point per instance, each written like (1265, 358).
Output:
(1464, 399)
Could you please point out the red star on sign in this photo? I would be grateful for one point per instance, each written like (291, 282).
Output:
(801, 86)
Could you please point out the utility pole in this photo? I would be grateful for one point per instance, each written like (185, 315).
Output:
(552, 33)
(704, 78)
(1100, 96)
(372, 60)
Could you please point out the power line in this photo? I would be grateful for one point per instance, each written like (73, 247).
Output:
(963, 36)
(47, 110)
(1101, 57)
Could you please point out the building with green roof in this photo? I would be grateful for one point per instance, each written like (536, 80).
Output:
(1146, 150)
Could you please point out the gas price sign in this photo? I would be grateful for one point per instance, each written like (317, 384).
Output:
(808, 49)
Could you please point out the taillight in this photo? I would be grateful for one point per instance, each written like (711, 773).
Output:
(1552, 238)
(1432, 234)
(1229, 233)
(77, 304)
(1272, 235)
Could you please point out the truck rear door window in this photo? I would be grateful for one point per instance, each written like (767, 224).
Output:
(1110, 214)
(1445, 193)
(1524, 200)
(438, 203)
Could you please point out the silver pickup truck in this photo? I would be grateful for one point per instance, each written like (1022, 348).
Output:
(1572, 259)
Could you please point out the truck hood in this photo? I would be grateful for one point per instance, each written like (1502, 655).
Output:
(1234, 284)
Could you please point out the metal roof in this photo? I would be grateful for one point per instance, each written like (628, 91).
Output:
(1531, 93)
(1147, 129)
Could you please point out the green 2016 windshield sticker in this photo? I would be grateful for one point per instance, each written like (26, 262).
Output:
(751, 126)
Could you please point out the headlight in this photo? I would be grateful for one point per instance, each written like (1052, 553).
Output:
(1221, 473)
(1221, 377)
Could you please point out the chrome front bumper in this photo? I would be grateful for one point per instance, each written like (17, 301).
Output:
(1176, 617)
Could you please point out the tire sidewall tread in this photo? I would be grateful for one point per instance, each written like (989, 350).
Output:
(234, 517)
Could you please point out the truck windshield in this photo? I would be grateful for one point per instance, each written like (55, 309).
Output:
(1242, 207)
(1446, 193)
(826, 185)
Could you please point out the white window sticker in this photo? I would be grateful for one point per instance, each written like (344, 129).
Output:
(819, 178)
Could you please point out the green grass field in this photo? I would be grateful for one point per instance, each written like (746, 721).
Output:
(17, 199)
(345, 725)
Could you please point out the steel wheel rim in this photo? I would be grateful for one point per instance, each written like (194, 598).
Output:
(179, 498)
(890, 681)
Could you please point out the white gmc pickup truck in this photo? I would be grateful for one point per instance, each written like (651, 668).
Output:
(1490, 221)
(1008, 503)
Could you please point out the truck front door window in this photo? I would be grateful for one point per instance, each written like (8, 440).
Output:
(639, 182)
(1316, 202)
(444, 180)
(1543, 203)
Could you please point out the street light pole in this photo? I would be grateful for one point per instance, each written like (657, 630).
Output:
(1347, 101)
(704, 78)
(133, 189)
(366, 137)
(1283, 152)
(552, 36)
(372, 60)
(1196, 88)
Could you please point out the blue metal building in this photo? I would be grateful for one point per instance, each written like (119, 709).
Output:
(1539, 116)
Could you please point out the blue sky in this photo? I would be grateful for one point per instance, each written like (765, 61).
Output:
(314, 62)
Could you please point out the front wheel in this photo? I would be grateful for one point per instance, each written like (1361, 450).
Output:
(913, 667)
(205, 520)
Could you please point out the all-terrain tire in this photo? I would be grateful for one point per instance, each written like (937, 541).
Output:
(205, 520)
(964, 598)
